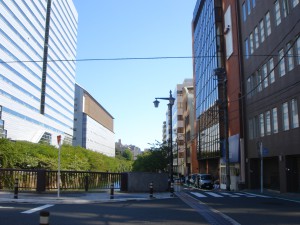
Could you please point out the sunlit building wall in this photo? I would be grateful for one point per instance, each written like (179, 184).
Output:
(38, 42)
(93, 125)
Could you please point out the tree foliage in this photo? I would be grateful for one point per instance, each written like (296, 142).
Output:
(127, 154)
(155, 160)
(27, 155)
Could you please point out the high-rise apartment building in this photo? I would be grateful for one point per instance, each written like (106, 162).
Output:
(271, 47)
(93, 125)
(37, 73)
(179, 147)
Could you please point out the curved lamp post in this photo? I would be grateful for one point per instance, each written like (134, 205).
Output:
(171, 103)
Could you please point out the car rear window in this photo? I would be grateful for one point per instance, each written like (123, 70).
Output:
(206, 177)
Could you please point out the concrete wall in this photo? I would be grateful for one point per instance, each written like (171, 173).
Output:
(139, 181)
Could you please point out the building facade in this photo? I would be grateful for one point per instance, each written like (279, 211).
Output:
(208, 50)
(190, 153)
(93, 125)
(271, 47)
(37, 69)
(179, 147)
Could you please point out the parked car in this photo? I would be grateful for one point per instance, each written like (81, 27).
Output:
(204, 181)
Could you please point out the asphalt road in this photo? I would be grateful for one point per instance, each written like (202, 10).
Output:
(160, 211)
(191, 207)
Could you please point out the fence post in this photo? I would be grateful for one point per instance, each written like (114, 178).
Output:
(44, 218)
(86, 183)
(16, 190)
(112, 191)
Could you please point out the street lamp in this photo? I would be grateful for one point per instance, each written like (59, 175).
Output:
(171, 103)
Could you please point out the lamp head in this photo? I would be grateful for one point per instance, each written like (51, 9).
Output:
(156, 103)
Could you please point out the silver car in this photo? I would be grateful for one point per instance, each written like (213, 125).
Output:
(204, 181)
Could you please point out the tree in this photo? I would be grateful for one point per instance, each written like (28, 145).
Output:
(155, 160)
(127, 154)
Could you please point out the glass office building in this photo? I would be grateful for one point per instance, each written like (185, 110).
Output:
(38, 42)
(207, 52)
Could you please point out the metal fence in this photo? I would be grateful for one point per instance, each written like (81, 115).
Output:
(46, 180)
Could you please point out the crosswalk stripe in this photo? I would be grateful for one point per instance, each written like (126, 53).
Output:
(256, 195)
(198, 195)
(214, 194)
(246, 195)
(230, 195)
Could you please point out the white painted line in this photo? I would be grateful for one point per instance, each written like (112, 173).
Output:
(4, 207)
(246, 195)
(198, 195)
(214, 194)
(230, 195)
(37, 209)
(256, 195)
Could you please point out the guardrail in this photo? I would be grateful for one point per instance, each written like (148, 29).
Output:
(46, 180)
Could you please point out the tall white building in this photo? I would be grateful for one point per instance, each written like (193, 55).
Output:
(93, 125)
(38, 41)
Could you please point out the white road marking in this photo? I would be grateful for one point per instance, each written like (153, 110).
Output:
(198, 195)
(37, 209)
(214, 194)
(256, 195)
(6, 207)
(246, 195)
(230, 195)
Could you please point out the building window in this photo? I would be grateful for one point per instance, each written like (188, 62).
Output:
(298, 49)
(274, 121)
(268, 122)
(258, 80)
(261, 125)
(262, 31)
(285, 116)
(295, 3)
(247, 48)
(271, 70)
(285, 6)
(248, 6)
(290, 57)
(264, 73)
(277, 13)
(281, 63)
(294, 114)
(256, 37)
(251, 44)
(268, 23)
(244, 12)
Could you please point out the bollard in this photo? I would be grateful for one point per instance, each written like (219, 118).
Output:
(151, 189)
(44, 218)
(16, 188)
(112, 191)
(172, 189)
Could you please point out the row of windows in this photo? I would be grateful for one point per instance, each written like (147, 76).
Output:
(267, 123)
(282, 8)
(246, 8)
(263, 29)
(265, 75)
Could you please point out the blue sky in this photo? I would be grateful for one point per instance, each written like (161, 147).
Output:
(127, 88)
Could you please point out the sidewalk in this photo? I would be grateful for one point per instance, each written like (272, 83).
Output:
(77, 197)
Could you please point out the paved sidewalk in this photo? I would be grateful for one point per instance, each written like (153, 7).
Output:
(77, 197)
